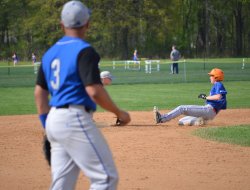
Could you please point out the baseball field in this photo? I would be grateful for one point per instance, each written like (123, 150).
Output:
(148, 156)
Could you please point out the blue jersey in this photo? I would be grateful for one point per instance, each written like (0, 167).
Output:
(60, 68)
(218, 88)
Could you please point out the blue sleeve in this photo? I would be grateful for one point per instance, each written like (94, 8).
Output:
(220, 88)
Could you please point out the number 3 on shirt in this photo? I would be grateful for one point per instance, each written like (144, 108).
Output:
(55, 66)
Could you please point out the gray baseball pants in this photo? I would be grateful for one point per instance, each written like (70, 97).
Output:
(207, 112)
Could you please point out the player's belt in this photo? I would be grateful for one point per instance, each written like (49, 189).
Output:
(66, 106)
(63, 106)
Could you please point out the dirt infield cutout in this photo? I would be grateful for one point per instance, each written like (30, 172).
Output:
(148, 156)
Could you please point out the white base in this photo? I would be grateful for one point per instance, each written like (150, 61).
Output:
(192, 121)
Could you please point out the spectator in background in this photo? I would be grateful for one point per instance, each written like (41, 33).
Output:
(135, 56)
(14, 58)
(33, 57)
(175, 56)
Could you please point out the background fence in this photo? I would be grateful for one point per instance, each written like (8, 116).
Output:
(124, 72)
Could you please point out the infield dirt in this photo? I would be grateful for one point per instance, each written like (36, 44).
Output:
(148, 156)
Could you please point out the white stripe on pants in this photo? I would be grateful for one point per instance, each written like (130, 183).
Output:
(77, 144)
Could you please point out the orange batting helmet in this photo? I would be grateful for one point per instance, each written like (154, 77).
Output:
(217, 73)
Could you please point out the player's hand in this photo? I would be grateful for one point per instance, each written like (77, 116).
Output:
(123, 118)
(202, 96)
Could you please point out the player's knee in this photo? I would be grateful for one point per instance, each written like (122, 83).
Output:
(181, 109)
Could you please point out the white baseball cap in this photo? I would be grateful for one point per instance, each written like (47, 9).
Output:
(74, 14)
(106, 74)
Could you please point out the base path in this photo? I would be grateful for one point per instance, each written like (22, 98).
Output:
(148, 156)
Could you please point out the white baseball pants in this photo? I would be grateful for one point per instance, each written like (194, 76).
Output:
(206, 112)
(77, 144)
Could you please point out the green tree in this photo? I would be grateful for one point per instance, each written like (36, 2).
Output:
(198, 27)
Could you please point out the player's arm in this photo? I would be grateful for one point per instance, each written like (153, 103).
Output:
(219, 91)
(102, 98)
(98, 94)
(214, 97)
(41, 97)
(90, 75)
(42, 104)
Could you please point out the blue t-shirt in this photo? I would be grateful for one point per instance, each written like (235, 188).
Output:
(218, 88)
(60, 69)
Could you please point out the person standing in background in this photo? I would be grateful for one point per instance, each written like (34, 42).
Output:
(33, 57)
(175, 56)
(135, 56)
(14, 58)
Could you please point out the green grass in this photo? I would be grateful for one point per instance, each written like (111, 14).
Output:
(168, 96)
(192, 71)
(136, 90)
(17, 101)
(140, 97)
(239, 135)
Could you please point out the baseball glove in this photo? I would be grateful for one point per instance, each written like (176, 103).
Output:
(46, 149)
(119, 122)
(202, 96)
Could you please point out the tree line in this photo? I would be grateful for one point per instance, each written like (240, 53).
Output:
(199, 28)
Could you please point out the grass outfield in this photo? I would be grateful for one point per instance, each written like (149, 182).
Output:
(191, 71)
(233, 135)
(138, 97)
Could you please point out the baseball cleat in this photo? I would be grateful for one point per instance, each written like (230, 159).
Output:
(157, 115)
